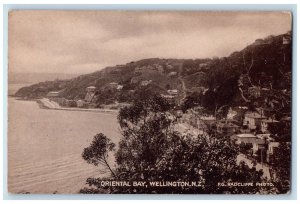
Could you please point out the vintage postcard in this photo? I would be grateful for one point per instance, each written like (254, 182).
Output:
(149, 102)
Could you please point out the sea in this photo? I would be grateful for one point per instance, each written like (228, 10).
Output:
(45, 147)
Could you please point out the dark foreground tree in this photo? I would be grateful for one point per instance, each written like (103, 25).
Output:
(281, 166)
(152, 150)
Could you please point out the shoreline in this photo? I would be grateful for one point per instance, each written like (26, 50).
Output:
(45, 103)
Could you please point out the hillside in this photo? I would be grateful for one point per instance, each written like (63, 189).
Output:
(33, 78)
(265, 64)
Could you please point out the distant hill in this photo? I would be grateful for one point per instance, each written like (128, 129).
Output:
(32, 78)
(265, 64)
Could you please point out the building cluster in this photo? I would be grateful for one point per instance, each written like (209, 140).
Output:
(87, 102)
(80, 103)
(241, 125)
(258, 143)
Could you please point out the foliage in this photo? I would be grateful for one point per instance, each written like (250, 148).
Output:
(97, 152)
(151, 150)
(267, 66)
(281, 131)
(193, 100)
(281, 163)
(72, 103)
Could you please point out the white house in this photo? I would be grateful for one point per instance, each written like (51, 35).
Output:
(146, 82)
(244, 138)
(113, 85)
(119, 87)
(247, 138)
(80, 103)
(90, 88)
(53, 94)
(253, 120)
(173, 92)
(172, 74)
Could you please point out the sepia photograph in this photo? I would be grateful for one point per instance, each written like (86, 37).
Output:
(149, 102)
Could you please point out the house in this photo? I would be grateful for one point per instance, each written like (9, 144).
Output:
(246, 138)
(119, 87)
(171, 74)
(254, 91)
(80, 103)
(202, 65)
(169, 98)
(236, 113)
(227, 127)
(253, 120)
(53, 94)
(113, 85)
(209, 120)
(271, 150)
(90, 89)
(258, 145)
(173, 92)
(146, 82)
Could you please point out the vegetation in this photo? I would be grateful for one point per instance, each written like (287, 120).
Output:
(151, 150)
(226, 80)
(281, 164)
(258, 76)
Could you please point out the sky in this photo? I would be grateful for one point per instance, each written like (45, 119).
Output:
(86, 41)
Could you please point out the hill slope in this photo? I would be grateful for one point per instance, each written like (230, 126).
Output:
(265, 64)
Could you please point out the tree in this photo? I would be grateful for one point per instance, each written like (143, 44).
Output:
(97, 152)
(281, 164)
(152, 150)
(193, 100)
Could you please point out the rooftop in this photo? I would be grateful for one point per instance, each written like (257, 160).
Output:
(245, 135)
(207, 118)
(254, 115)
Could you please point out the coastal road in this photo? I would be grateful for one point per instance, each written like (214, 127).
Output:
(50, 104)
